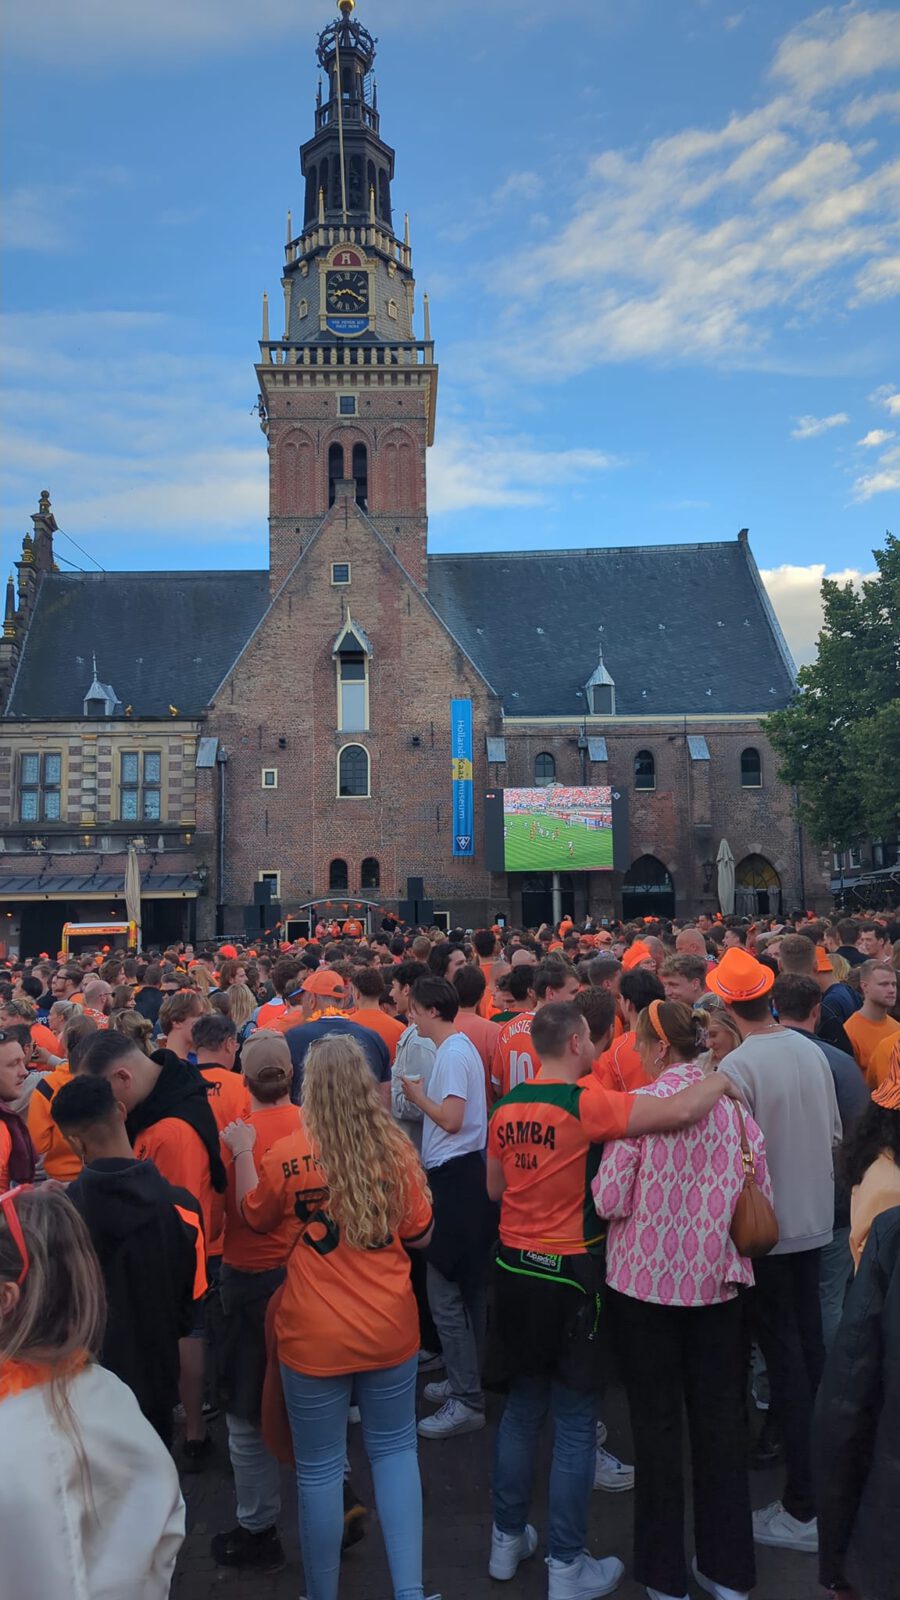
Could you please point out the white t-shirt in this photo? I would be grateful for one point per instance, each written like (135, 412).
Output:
(458, 1070)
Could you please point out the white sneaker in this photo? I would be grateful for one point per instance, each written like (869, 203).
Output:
(454, 1417)
(718, 1590)
(508, 1549)
(776, 1526)
(437, 1393)
(612, 1474)
(584, 1579)
(602, 1434)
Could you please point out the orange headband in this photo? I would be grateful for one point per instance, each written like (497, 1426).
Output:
(656, 1025)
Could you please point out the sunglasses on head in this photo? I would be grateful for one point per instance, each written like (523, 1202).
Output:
(11, 1218)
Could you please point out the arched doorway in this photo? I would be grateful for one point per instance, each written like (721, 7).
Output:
(537, 898)
(647, 890)
(757, 888)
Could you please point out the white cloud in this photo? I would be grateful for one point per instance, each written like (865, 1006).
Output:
(867, 108)
(811, 427)
(45, 217)
(892, 404)
(795, 592)
(886, 481)
(836, 46)
(467, 470)
(879, 280)
(875, 437)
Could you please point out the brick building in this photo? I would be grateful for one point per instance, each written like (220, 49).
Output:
(291, 728)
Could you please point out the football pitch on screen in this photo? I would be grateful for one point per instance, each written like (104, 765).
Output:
(590, 847)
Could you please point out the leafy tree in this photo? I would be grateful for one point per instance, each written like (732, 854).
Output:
(839, 740)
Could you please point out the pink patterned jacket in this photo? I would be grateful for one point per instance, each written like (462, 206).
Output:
(670, 1198)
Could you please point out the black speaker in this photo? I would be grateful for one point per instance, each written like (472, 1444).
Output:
(263, 892)
(415, 889)
(261, 918)
(418, 913)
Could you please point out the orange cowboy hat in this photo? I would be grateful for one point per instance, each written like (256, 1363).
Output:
(636, 955)
(887, 1094)
(740, 976)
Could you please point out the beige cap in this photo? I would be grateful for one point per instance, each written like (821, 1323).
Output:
(265, 1058)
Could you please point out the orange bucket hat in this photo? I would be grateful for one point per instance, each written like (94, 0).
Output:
(822, 962)
(887, 1094)
(636, 955)
(740, 976)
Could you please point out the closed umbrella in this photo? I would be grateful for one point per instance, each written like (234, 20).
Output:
(133, 891)
(725, 864)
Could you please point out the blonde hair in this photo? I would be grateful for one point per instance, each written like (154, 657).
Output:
(840, 966)
(241, 1003)
(61, 1309)
(202, 977)
(134, 1026)
(367, 1161)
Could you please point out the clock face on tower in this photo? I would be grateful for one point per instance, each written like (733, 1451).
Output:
(347, 292)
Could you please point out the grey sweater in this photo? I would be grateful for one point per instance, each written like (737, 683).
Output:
(789, 1089)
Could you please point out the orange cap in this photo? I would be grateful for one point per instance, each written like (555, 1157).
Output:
(887, 1094)
(325, 982)
(228, 952)
(637, 955)
(739, 976)
(822, 962)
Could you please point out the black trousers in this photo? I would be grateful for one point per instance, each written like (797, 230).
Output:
(788, 1322)
(674, 1358)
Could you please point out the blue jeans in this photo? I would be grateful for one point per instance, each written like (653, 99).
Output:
(317, 1410)
(835, 1273)
(571, 1469)
(257, 1480)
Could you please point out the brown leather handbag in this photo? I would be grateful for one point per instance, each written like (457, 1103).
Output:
(754, 1226)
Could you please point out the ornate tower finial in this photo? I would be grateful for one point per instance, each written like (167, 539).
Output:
(9, 620)
(44, 502)
(28, 550)
(265, 328)
(346, 7)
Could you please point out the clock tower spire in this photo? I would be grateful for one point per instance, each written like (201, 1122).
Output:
(347, 395)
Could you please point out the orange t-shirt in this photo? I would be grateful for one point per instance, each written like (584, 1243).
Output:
(5, 1153)
(548, 1137)
(267, 1015)
(486, 1003)
(180, 1154)
(865, 1038)
(288, 1019)
(882, 1058)
(620, 1067)
(343, 1310)
(245, 1249)
(51, 1144)
(387, 1028)
(43, 1038)
(229, 1097)
(515, 1060)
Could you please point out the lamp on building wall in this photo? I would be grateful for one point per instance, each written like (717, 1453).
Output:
(709, 868)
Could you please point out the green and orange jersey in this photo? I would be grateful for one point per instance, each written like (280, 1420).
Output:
(548, 1137)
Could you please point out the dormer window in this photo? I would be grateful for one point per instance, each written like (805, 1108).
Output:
(351, 654)
(600, 692)
(101, 699)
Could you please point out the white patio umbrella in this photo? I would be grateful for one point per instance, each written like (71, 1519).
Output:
(133, 891)
(725, 864)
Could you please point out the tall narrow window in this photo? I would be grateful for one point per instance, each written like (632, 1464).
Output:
(370, 874)
(312, 195)
(544, 768)
(361, 475)
(335, 469)
(644, 770)
(751, 769)
(353, 693)
(338, 877)
(40, 778)
(140, 779)
(353, 771)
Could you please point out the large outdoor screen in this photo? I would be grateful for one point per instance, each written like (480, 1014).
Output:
(553, 829)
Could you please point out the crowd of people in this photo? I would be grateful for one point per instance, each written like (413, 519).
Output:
(387, 1176)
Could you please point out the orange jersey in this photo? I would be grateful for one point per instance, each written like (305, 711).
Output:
(865, 1037)
(343, 1310)
(181, 1156)
(387, 1028)
(620, 1067)
(267, 1015)
(515, 1059)
(548, 1137)
(56, 1153)
(245, 1249)
(229, 1098)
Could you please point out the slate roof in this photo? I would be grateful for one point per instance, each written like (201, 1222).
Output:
(684, 629)
(161, 638)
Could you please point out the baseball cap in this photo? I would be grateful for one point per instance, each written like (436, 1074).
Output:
(265, 1058)
(603, 937)
(739, 976)
(325, 982)
(636, 955)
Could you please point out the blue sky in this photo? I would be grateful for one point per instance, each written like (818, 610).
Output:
(661, 243)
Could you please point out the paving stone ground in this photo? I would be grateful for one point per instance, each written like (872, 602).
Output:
(456, 1482)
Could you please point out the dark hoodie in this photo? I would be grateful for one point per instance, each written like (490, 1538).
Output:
(181, 1091)
(145, 1233)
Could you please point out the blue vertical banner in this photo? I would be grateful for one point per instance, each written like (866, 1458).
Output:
(463, 791)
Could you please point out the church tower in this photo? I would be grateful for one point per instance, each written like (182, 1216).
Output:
(347, 395)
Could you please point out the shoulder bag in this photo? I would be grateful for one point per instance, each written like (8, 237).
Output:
(754, 1226)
